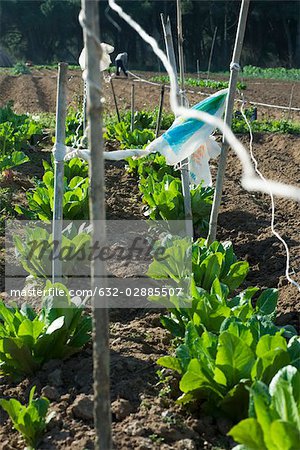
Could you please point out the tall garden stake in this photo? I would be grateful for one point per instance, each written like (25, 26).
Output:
(170, 48)
(102, 414)
(132, 108)
(161, 103)
(234, 70)
(60, 136)
(211, 53)
(115, 100)
(185, 173)
(185, 183)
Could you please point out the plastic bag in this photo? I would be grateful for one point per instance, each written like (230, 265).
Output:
(105, 60)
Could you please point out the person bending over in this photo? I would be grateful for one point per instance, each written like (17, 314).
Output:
(121, 63)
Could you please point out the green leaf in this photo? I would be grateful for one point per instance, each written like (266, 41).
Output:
(170, 362)
(294, 351)
(285, 435)
(248, 432)
(267, 302)
(236, 275)
(285, 392)
(234, 358)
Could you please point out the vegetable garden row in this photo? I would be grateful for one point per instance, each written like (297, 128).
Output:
(226, 352)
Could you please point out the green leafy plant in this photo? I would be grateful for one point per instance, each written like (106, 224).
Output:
(214, 311)
(270, 126)
(165, 201)
(20, 69)
(35, 250)
(74, 126)
(206, 263)
(274, 414)
(153, 164)
(28, 339)
(217, 369)
(137, 138)
(75, 199)
(12, 160)
(213, 84)
(75, 167)
(279, 73)
(30, 420)
(16, 129)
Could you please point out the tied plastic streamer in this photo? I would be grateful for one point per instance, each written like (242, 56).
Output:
(199, 162)
(191, 138)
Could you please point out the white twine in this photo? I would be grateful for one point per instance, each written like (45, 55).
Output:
(59, 151)
(205, 94)
(250, 180)
(276, 234)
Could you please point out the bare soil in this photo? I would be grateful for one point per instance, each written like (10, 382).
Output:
(36, 92)
(145, 415)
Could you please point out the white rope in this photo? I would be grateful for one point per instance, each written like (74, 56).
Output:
(276, 234)
(59, 151)
(205, 94)
(116, 155)
(250, 180)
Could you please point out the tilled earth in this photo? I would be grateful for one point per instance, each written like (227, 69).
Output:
(145, 415)
(40, 89)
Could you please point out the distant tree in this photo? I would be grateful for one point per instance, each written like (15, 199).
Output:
(46, 31)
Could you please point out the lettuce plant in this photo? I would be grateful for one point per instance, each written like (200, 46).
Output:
(217, 369)
(35, 250)
(165, 201)
(207, 263)
(12, 160)
(153, 164)
(137, 138)
(30, 420)
(28, 339)
(41, 199)
(274, 414)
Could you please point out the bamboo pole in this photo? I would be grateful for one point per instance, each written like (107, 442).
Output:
(60, 136)
(211, 53)
(185, 173)
(115, 100)
(291, 101)
(101, 357)
(166, 25)
(132, 108)
(161, 102)
(84, 107)
(234, 70)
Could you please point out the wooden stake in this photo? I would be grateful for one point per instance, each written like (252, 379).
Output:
(101, 360)
(211, 53)
(60, 136)
(170, 48)
(84, 107)
(132, 108)
(234, 69)
(185, 173)
(291, 101)
(115, 100)
(161, 102)
(198, 69)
